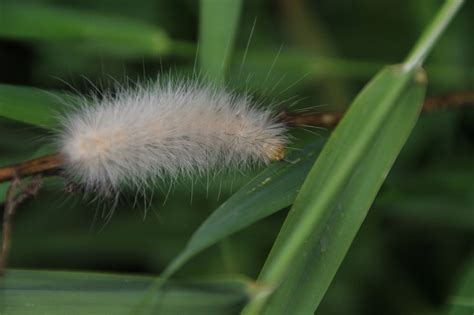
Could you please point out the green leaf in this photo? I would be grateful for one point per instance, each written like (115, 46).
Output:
(55, 293)
(32, 106)
(272, 190)
(339, 191)
(218, 24)
(81, 30)
(462, 302)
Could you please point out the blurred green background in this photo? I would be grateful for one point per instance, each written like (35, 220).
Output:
(418, 237)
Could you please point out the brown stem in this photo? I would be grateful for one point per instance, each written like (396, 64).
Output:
(448, 101)
(327, 120)
(331, 119)
(45, 165)
(12, 202)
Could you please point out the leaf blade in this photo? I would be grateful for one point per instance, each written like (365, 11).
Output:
(311, 275)
(56, 293)
(31, 106)
(115, 35)
(270, 191)
(218, 25)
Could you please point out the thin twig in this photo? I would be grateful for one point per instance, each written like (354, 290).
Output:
(52, 164)
(325, 120)
(45, 165)
(12, 202)
(448, 101)
(331, 119)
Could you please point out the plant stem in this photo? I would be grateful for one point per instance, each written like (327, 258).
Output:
(44, 165)
(12, 201)
(431, 34)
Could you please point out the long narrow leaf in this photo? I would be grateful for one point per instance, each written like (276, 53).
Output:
(32, 106)
(217, 28)
(116, 35)
(60, 293)
(272, 190)
(311, 273)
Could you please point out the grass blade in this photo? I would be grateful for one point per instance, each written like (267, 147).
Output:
(31, 106)
(55, 293)
(218, 24)
(115, 35)
(310, 276)
(272, 190)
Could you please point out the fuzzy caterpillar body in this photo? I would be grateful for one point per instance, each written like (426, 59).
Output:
(136, 137)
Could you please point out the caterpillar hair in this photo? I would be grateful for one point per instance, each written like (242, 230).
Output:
(139, 136)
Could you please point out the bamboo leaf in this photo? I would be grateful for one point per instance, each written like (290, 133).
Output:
(218, 25)
(56, 293)
(31, 106)
(115, 35)
(310, 274)
(270, 191)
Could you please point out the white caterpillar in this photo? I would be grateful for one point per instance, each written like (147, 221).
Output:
(161, 131)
